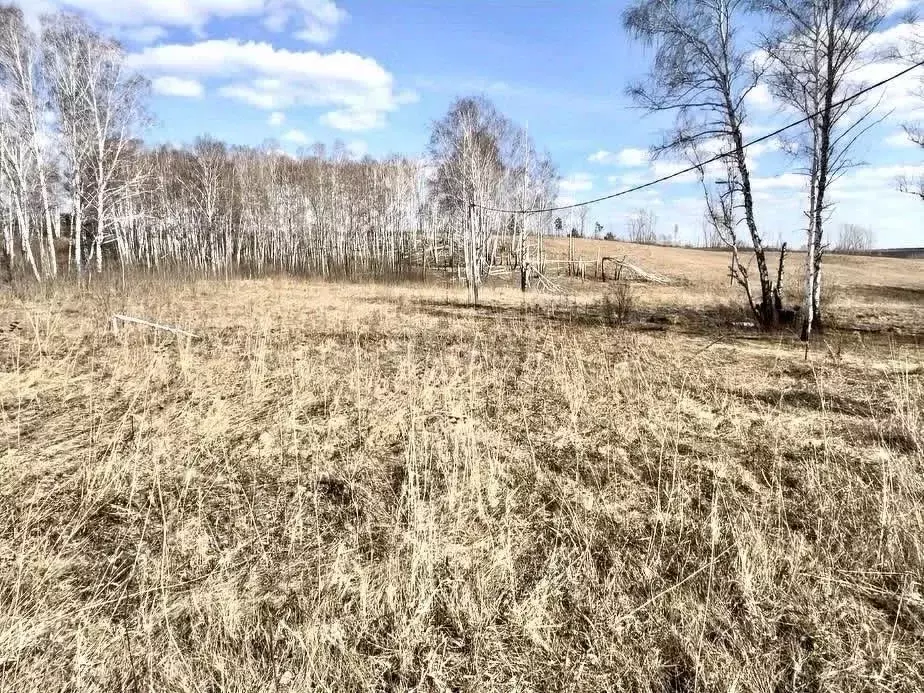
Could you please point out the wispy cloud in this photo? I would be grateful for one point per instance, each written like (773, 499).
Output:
(314, 21)
(628, 157)
(178, 86)
(577, 182)
(296, 137)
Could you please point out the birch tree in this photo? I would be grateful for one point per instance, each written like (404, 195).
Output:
(702, 74)
(102, 108)
(814, 48)
(853, 238)
(23, 147)
(466, 148)
(212, 208)
(64, 58)
(914, 53)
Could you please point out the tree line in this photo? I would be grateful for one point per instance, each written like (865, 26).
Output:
(81, 191)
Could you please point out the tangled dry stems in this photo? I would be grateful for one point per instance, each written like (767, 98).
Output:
(367, 488)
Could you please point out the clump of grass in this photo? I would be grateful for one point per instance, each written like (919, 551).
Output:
(618, 303)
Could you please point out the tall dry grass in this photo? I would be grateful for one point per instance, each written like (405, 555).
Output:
(367, 488)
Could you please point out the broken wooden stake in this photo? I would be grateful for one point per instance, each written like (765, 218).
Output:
(116, 319)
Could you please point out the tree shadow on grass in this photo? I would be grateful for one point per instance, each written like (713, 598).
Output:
(716, 321)
(903, 294)
(812, 400)
(708, 321)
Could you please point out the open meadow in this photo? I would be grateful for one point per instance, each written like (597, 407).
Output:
(377, 487)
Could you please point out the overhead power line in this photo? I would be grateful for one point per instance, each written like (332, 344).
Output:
(717, 157)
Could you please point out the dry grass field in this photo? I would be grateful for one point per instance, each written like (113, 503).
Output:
(378, 488)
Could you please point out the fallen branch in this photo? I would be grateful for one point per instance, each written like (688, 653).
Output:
(662, 593)
(638, 272)
(543, 283)
(116, 319)
(643, 274)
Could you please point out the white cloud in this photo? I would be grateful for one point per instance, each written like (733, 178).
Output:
(352, 120)
(177, 86)
(316, 33)
(756, 152)
(661, 169)
(259, 97)
(320, 19)
(143, 35)
(760, 98)
(632, 157)
(316, 21)
(628, 157)
(899, 138)
(902, 95)
(358, 91)
(895, 6)
(277, 118)
(296, 137)
(577, 182)
(629, 180)
(761, 148)
(869, 196)
(750, 131)
(870, 177)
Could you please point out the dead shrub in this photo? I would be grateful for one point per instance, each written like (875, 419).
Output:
(618, 302)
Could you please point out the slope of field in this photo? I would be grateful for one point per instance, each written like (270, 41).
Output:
(884, 292)
(378, 488)
(711, 266)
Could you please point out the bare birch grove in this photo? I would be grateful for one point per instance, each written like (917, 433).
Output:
(482, 160)
(76, 177)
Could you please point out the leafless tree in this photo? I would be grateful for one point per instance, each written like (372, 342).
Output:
(853, 238)
(101, 109)
(466, 148)
(482, 160)
(641, 227)
(711, 236)
(70, 120)
(23, 154)
(702, 73)
(910, 184)
(722, 220)
(63, 65)
(814, 48)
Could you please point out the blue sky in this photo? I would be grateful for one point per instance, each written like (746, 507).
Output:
(375, 74)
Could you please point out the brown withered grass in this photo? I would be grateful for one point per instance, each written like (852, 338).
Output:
(353, 488)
